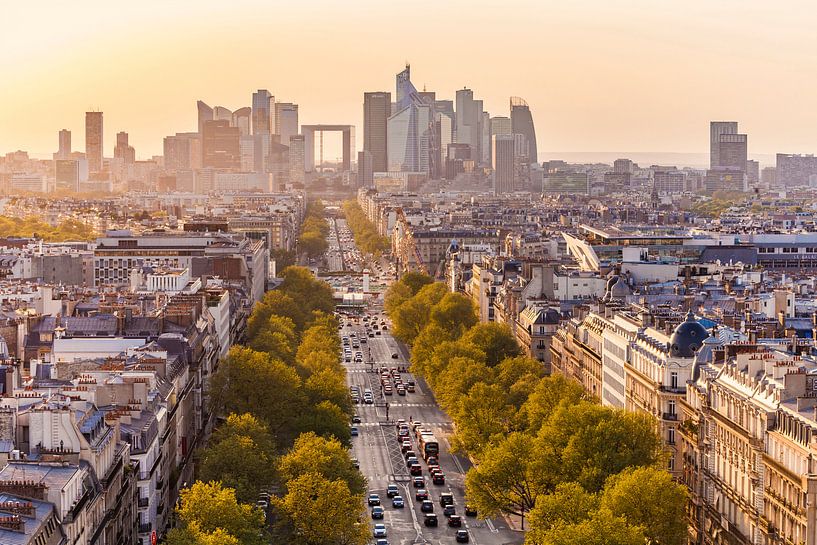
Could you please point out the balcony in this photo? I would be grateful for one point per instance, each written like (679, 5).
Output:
(670, 416)
(143, 502)
(144, 527)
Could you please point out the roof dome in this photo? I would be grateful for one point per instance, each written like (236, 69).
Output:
(687, 338)
(620, 289)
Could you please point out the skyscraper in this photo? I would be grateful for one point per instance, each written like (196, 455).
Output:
(182, 151)
(286, 121)
(241, 119)
(262, 104)
(93, 140)
(468, 122)
(297, 159)
(503, 163)
(205, 113)
(376, 112)
(123, 150)
(500, 125)
(522, 123)
(409, 129)
(732, 151)
(220, 145)
(716, 129)
(64, 150)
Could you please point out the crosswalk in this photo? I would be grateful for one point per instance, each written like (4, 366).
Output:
(433, 424)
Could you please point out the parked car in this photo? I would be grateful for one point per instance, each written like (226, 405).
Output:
(470, 511)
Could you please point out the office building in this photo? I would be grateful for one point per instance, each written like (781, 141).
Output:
(376, 112)
(566, 183)
(752, 173)
(297, 160)
(365, 169)
(64, 150)
(409, 129)
(503, 163)
(182, 151)
(768, 177)
(716, 129)
(500, 125)
(93, 140)
(795, 170)
(732, 151)
(522, 123)
(262, 113)
(220, 145)
(205, 113)
(623, 166)
(123, 150)
(286, 121)
(468, 122)
(66, 174)
(241, 118)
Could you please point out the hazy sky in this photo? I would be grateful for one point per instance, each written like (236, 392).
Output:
(599, 75)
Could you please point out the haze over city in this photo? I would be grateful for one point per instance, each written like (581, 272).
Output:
(635, 76)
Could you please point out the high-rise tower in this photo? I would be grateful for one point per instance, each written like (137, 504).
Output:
(522, 123)
(716, 129)
(93, 141)
(376, 112)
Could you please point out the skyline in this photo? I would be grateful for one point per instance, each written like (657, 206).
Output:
(626, 58)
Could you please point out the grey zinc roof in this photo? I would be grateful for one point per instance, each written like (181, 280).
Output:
(42, 510)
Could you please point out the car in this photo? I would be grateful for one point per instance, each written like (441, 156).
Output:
(379, 530)
(368, 400)
(377, 332)
(374, 499)
(356, 463)
(384, 327)
(446, 498)
(438, 478)
(411, 460)
(381, 542)
(371, 335)
(356, 400)
(388, 391)
(416, 469)
(392, 490)
(355, 419)
(427, 506)
(398, 502)
(432, 461)
(401, 391)
(461, 536)
(263, 504)
(377, 512)
(419, 482)
(354, 431)
(405, 446)
(455, 521)
(430, 519)
(449, 510)
(394, 355)
(421, 494)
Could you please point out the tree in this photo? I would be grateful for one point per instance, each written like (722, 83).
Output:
(251, 382)
(283, 258)
(415, 281)
(325, 457)
(275, 302)
(397, 294)
(454, 313)
(211, 510)
(424, 347)
(496, 340)
(317, 511)
(412, 316)
(602, 529)
(313, 244)
(456, 379)
(548, 394)
(445, 353)
(277, 338)
(568, 504)
(327, 420)
(315, 362)
(483, 415)
(587, 443)
(649, 498)
(241, 455)
(518, 376)
(310, 293)
(319, 338)
(504, 482)
(328, 385)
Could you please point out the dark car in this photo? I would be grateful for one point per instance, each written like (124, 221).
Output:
(416, 469)
(462, 536)
(449, 510)
(432, 461)
(411, 460)
(430, 519)
(374, 499)
(355, 419)
(394, 356)
(419, 482)
(421, 494)
(377, 512)
(392, 490)
(427, 506)
(439, 478)
(446, 498)
(455, 521)
(410, 453)
(397, 502)
(470, 511)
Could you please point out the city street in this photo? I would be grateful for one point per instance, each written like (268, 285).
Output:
(382, 462)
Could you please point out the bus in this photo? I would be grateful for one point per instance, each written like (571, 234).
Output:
(429, 445)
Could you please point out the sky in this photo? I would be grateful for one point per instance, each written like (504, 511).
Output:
(599, 75)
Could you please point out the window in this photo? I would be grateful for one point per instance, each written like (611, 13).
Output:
(673, 380)
(671, 436)
(671, 406)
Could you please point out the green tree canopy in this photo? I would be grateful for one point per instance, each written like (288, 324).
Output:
(496, 340)
(277, 338)
(454, 313)
(325, 457)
